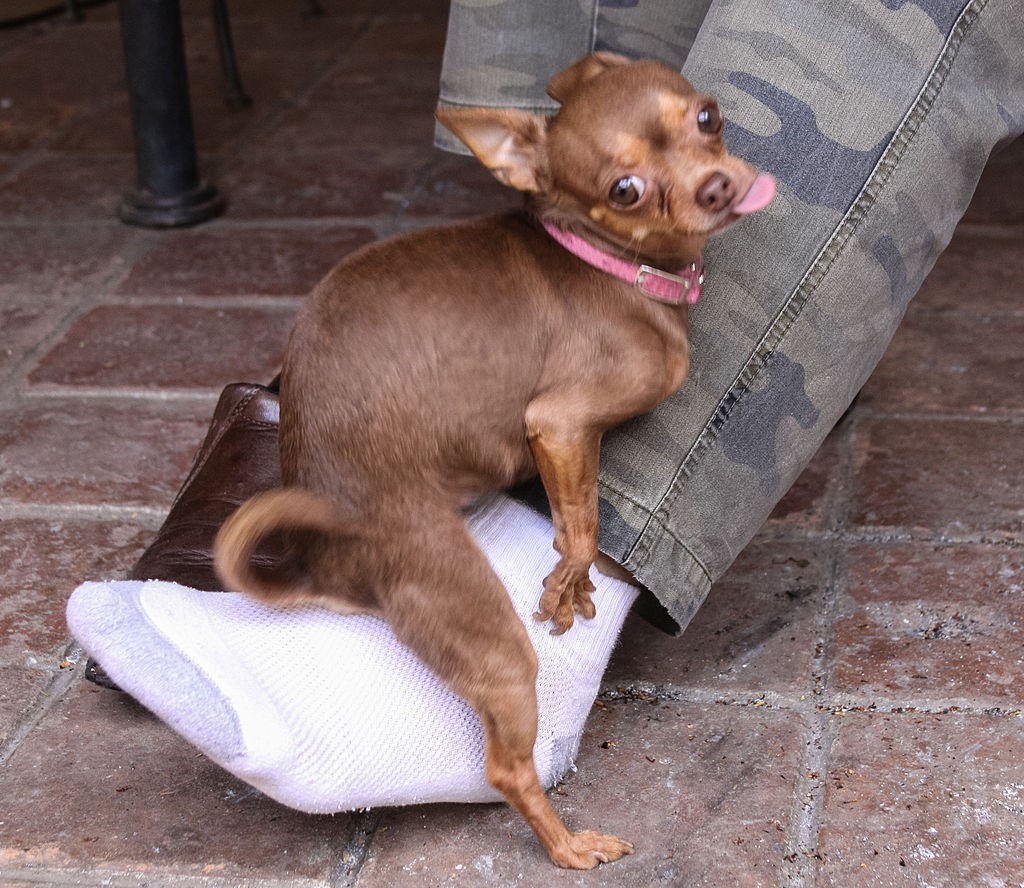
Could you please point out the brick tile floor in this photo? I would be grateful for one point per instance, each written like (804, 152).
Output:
(845, 710)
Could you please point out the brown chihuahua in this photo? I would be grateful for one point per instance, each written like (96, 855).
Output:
(441, 364)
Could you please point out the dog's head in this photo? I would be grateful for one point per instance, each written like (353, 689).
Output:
(634, 157)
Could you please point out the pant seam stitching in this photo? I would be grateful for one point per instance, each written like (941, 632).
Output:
(793, 306)
(633, 501)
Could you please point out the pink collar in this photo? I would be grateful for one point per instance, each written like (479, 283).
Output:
(660, 285)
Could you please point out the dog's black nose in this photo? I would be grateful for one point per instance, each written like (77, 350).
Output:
(716, 193)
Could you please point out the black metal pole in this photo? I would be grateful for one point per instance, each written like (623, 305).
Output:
(170, 192)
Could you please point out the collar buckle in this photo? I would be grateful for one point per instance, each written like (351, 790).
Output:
(667, 287)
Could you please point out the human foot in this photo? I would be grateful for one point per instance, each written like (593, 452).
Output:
(325, 712)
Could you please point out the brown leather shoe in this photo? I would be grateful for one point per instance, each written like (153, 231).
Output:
(237, 459)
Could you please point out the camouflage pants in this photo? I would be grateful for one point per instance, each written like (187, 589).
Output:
(876, 117)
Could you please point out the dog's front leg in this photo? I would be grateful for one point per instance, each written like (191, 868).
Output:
(567, 456)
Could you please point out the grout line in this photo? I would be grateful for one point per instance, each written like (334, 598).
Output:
(147, 515)
(774, 701)
(888, 535)
(356, 849)
(58, 685)
(136, 245)
(800, 863)
(874, 413)
(54, 391)
(843, 482)
(994, 230)
(283, 302)
(959, 314)
(924, 706)
(895, 535)
(92, 877)
(838, 706)
(22, 161)
(821, 731)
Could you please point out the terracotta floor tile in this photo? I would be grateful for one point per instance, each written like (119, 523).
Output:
(351, 125)
(277, 56)
(979, 273)
(97, 452)
(40, 102)
(102, 128)
(943, 624)
(924, 800)
(283, 28)
(25, 322)
(997, 199)
(400, 39)
(941, 363)
(90, 63)
(409, 82)
(44, 191)
(29, 121)
(304, 186)
(103, 786)
(166, 345)
(942, 477)
(704, 793)
(456, 186)
(227, 260)
(756, 633)
(11, 38)
(51, 260)
(808, 503)
(41, 561)
(18, 691)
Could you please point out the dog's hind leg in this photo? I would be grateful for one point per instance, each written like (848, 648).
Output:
(450, 607)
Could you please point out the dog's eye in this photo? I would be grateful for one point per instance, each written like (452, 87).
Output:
(709, 119)
(627, 191)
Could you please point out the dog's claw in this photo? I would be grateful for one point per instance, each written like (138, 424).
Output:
(583, 604)
(566, 593)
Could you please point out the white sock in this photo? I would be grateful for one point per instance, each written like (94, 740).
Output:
(328, 713)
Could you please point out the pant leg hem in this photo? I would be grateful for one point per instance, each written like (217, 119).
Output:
(661, 562)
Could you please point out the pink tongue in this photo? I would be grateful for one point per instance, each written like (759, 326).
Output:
(758, 197)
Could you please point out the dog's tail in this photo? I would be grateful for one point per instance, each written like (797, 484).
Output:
(270, 547)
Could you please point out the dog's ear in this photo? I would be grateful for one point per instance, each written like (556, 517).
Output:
(564, 83)
(510, 143)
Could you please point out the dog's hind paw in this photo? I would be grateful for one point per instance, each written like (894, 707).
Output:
(585, 850)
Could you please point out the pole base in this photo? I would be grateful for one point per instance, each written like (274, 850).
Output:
(148, 210)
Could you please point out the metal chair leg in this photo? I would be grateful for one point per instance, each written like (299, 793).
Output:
(234, 93)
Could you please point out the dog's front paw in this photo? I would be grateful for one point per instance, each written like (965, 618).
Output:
(585, 850)
(567, 592)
